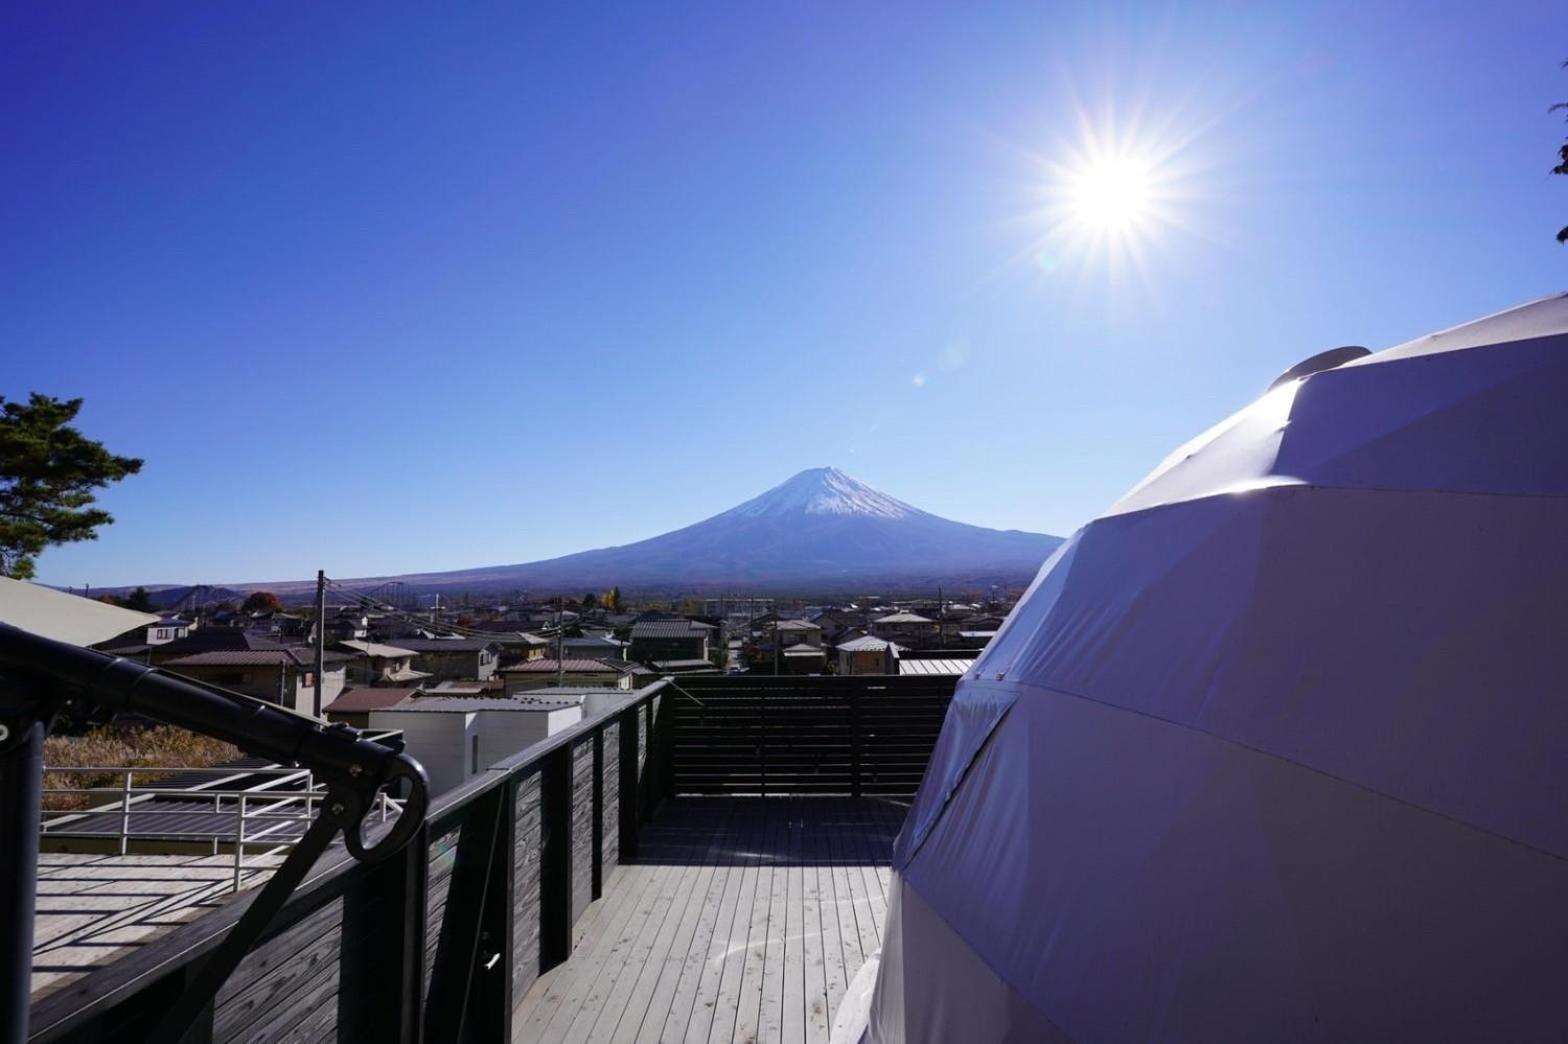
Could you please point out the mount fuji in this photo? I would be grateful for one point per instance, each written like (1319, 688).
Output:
(819, 531)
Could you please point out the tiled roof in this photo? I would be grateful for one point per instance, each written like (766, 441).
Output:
(429, 645)
(669, 629)
(244, 658)
(904, 618)
(579, 666)
(211, 639)
(369, 699)
(797, 625)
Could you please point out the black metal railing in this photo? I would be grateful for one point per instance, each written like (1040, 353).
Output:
(856, 735)
(441, 942)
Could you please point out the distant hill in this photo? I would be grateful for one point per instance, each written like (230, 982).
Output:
(178, 596)
(819, 531)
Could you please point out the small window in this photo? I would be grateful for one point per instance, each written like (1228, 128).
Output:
(473, 754)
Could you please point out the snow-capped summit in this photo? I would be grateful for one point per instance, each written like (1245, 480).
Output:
(824, 491)
(819, 531)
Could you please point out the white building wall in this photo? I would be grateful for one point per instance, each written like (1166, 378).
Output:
(503, 733)
(440, 740)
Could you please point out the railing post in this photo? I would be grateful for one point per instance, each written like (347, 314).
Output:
(854, 741)
(470, 981)
(598, 813)
(382, 965)
(239, 839)
(631, 793)
(125, 814)
(555, 867)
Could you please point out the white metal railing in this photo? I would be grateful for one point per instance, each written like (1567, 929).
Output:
(257, 817)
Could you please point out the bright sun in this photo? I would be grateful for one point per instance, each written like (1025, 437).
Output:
(1111, 195)
(1115, 195)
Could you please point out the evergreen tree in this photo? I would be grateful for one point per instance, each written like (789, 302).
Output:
(48, 474)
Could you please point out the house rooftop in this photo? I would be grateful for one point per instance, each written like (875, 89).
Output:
(684, 665)
(934, 665)
(904, 618)
(376, 649)
(669, 629)
(292, 656)
(368, 699)
(866, 643)
(584, 665)
(436, 645)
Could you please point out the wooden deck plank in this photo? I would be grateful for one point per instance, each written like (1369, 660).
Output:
(742, 920)
(712, 925)
(647, 955)
(732, 964)
(798, 934)
(565, 991)
(653, 994)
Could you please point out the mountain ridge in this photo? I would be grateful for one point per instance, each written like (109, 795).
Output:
(820, 530)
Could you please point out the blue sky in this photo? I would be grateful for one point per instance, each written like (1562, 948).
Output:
(387, 290)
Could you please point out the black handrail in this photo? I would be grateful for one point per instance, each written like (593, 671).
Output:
(41, 677)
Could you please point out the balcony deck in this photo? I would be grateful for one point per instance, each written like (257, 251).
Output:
(93, 910)
(743, 919)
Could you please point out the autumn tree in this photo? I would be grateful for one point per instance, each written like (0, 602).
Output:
(261, 602)
(49, 472)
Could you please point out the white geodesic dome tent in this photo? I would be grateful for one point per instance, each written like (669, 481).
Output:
(1277, 747)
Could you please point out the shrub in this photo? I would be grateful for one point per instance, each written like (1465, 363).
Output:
(109, 746)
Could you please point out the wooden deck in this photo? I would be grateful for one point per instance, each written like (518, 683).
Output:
(95, 909)
(743, 919)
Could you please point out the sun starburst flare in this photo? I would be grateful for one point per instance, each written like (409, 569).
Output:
(1111, 197)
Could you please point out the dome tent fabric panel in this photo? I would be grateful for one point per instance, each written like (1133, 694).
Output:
(1311, 682)
(1153, 882)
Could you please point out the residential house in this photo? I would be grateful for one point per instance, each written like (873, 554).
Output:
(454, 658)
(168, 629)
(375, 664)
(594, 647)
(285, 675)
(905, 626)
(212, 639)
(670, 639)
(834, 622)
(354, 706)
(537, 674)
(797, 632)
(868, 655)
(804, 659)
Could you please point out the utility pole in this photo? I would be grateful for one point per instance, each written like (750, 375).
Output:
(941, 620)
(321, 637)
(560, 641)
